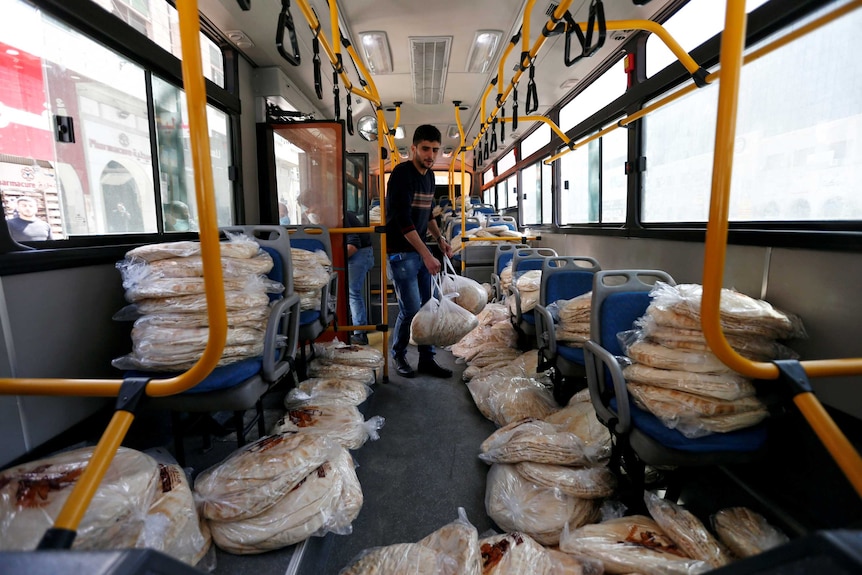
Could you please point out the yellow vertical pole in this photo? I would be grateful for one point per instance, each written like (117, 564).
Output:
(384, 259)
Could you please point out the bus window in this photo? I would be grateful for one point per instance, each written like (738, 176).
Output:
(798, 149)
(579, 199)
(613, 184)
(606, 88)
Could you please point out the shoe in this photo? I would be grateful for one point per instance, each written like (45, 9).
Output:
(430, 367)
(403, 368)
(359, 339)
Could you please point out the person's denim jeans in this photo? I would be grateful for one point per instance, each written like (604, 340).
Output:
(412, 288)
(358, 267)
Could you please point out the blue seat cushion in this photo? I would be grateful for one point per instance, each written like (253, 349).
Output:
(529, 317)
(572, 354)
(741, 440)
(309, 316)
(307, 244)
(220, 378)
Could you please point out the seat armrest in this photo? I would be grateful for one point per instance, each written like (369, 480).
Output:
(329, 300)
(546, 337)
(281, 339)
(516, 293)
(597, 359)
(495, 284)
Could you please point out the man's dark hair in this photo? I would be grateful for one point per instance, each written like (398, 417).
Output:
(426, 133)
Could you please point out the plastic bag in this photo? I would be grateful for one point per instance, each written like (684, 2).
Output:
(440, 321)
(358, 355)
(460, 541)
(238, 246)
(469, 293)
(745, 532)
(536, 441)
(343, 424)
(686, 530)
(327, 391)
(324, 368)
(406, 558)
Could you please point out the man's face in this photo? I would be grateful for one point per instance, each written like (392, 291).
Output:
(425, 154)
(26, 209)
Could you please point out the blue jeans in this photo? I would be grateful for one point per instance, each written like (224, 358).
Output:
(412, 288)
(358, 267)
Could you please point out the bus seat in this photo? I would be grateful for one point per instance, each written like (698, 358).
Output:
(455, 226)
(495, 220)
(502, 257)
(314, 322)
(240, 386)
(619, 298)
(563, 278)
(524, 260)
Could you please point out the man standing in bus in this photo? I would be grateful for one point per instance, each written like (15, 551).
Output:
(409, 201)
(25, 226)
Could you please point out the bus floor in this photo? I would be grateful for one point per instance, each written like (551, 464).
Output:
(424, 466)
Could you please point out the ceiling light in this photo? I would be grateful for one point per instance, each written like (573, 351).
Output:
(447, 151)
(399, 133)
(375, 46)
(402, 151)
(483, 51)
(453, 132)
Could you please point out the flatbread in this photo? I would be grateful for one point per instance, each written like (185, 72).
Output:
(534, 440)
(327, 391)
(516, 504)
(255, 477)
(341, 423)
(662, 357)
(584, 482)
(293, 518)
(745, 532)
(324, 369)
(401, 558)
(358, 355)
(634, 544)
(687, 531)
(727, 386)
(460, 541)
(172, 525)
(514, 554)
(32, 495)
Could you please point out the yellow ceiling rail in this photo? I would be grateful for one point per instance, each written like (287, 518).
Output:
(687, 61)
(529, 57)
(842, 451)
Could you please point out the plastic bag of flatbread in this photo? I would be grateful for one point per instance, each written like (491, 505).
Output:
(584, 482)
(238, 246)
(255, 477)
(135, 270)
(470, 293)
(460, 541)
(172, 524)
(301, 512)
(440, 321)
(505, 398)
(745, 532)
(359, 355)
(32, 495)
(401, 559)
(343, 424)
(327, 391)
(686, 531)
(516, 504)
(537, 441)
(633, 544)
(513, 554)
(324, 368)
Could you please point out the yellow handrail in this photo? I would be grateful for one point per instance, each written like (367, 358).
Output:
(732, 45)
(85, 488)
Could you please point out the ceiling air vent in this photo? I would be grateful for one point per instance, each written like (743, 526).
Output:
(429, 60)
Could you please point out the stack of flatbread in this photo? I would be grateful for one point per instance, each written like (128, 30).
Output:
(165, 283)
(677, 378)
(528, 289)
(323, 368)
(458, 540)
(504, 398)
(514, 553)
(32, 495)
(573, 328)
(278, 491)
(634, 544)
(411, 558)
(686, 531)
(327, 391)
(327, 499)
(343, 424)
(745, 532)
(172, 525)
(356, 355)
(493, 315)
(516, 504)
(506, 278)
(310, 273)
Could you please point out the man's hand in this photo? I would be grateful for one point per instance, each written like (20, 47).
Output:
(431, 263)
(445, 247)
